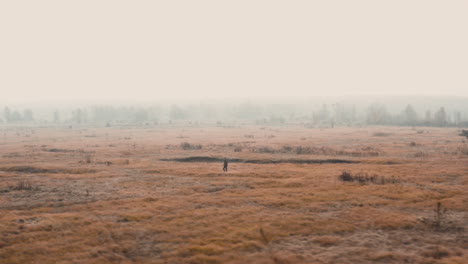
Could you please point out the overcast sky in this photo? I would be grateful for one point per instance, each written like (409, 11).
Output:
(91, 49)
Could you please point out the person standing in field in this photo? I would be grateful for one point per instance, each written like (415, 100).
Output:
(225, 164)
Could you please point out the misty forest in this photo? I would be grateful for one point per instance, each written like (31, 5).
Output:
(325, 112)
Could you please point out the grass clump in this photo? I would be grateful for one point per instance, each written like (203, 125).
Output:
(381, 134)
(312, 150)
(464, 133)
(188, 146)
(22, 186)
(238, 149)
(365, 178)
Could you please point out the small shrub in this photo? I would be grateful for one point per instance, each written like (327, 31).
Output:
(464, 133)
(188, 146)
(300, 150)
(58, 150)
(346, 176)
(23, 185)
(265, 150)
(25, 169)
(13, 155)
(238, 149)
(420, 154)
(381, 134)
(287, 148)
(365, 178)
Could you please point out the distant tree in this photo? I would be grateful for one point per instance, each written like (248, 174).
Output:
(277, 120)
(377, 115)
(110, 113)
(324, 113)
(337, 115)
(249, 111)
(343, 113)
(7, 114)
(177, 113)
(154, 113)
(440, 117)
(428, 117)
(141, 116)
(16, 116)
(78, 116)
(409, 116)
(28, 115)
(56, 117)
(352, 114)
(458, 118)
(315, 118)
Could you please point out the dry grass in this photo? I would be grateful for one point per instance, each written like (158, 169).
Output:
(30, 169)
(119, 195)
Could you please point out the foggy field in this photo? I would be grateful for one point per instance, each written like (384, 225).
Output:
(344, 125)
(154, 194)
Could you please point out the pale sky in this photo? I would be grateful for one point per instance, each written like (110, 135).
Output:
(91, 49)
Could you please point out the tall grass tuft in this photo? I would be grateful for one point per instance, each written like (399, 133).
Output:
(188, 146)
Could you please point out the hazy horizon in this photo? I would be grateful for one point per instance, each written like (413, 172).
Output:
(185, 50)
(390, 99)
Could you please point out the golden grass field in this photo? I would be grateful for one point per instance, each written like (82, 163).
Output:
(105, 195)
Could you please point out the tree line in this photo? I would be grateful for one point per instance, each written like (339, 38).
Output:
(323, 115)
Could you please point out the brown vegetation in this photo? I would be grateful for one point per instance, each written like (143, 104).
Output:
(129, 195)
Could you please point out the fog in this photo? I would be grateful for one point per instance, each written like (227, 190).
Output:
(67, 52)
(315, 63)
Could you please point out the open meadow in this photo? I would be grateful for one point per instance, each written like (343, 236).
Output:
(158, 194)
